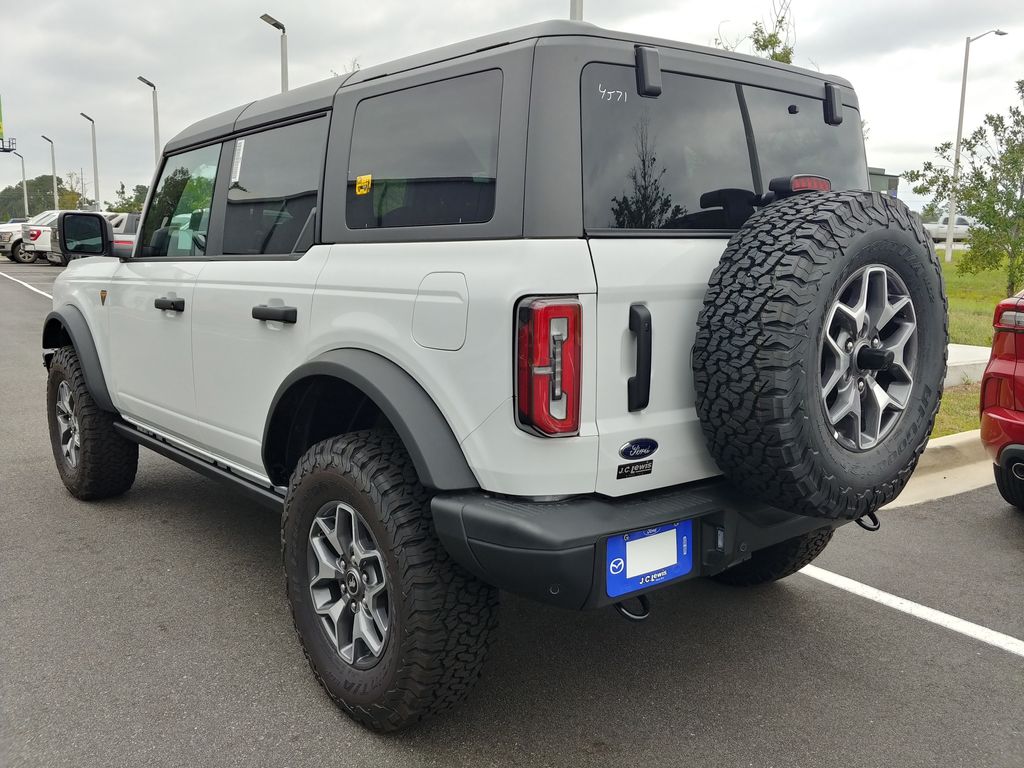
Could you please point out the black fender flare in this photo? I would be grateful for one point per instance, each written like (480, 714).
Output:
(423, 429)
(70, 322)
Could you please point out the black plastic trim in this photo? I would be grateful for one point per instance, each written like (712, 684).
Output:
(648, 71)
(638, 388)
(432, 446)
(71, 319)
(265, 495)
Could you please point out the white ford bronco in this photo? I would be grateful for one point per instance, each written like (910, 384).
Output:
(560, 311)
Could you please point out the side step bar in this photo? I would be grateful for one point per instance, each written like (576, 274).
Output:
(265, 496)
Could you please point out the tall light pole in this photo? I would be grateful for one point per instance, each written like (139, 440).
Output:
(95, 164)
(284, 48)
(24, 184)
(951, 213)
(156, 120)
(53, 166)
(576, 10)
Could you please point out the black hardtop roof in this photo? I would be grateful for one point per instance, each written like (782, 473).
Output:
(320, 96)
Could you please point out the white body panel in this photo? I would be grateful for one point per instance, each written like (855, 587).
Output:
(670, 277)
(367, 298)
(240, 362)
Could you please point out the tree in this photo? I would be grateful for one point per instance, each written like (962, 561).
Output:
(931, 211)
(772, 39)
(990, 190)
(649, 206)
(128, 203)
(40, 196)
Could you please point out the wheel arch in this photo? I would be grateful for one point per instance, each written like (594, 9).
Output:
(67, 326)
(364, 387)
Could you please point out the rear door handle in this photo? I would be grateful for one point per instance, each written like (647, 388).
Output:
(280, 314)
(638, 388)
(174, 305)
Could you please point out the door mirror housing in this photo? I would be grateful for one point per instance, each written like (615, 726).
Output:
(84, 234)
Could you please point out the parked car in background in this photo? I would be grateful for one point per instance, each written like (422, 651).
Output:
(17, 220)
(124, 227)
(1002, 400)
(36, 238)
(937, 229)
(11, 236)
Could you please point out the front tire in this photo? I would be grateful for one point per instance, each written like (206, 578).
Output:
(777, 561)
(393, 629)
(93, 460)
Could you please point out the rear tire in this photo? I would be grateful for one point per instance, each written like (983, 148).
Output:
(777, 561)
(93, 460)
(394, 630)
(1010, 488)
(20, 255)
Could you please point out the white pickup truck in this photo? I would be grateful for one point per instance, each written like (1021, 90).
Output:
(36, 237)
(937, 230)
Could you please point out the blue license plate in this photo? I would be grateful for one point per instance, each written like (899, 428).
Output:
(641, 559)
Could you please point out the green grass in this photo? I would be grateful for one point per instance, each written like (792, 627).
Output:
(959, 410)
(972, 300)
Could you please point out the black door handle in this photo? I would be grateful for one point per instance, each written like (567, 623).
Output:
(280, 314)
(175, 305)
(638, 388)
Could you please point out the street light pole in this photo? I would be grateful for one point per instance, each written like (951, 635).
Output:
(951, 212)
(576, 10)
(284, 48)
(156, 121)
(95, 164)
(53, 166)
(24, 184)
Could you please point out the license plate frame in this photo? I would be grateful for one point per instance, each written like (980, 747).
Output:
(622, 577)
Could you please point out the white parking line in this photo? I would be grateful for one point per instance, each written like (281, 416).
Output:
(978, 632)
(31, 288)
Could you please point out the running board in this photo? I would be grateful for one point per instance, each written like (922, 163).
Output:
(266, 496)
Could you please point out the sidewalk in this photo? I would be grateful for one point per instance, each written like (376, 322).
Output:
(965, 364)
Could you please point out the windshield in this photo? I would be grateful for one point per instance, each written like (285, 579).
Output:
(697, 156)
(42, 218)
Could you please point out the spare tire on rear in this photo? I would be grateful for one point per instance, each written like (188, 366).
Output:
(821, 352)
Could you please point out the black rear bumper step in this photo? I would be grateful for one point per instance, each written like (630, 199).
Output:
(263, 494)
(555, 551)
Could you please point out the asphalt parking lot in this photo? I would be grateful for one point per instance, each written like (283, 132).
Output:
(152, 630)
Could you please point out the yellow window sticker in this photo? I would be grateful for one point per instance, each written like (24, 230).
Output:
(363, 184)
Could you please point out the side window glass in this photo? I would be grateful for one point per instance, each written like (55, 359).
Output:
(275, 178)
(178, 216)
(426, 155)
(961, 221)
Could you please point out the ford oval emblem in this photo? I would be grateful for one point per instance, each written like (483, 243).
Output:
(640, 448)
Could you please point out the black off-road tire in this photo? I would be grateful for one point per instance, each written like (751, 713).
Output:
(20, 256)
(777, 561)
(756, 357)
(1010, 488)
(442, 618)
(107, 462)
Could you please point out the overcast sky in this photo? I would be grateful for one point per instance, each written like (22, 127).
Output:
(59, 58)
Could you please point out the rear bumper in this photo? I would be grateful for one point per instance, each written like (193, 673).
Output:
(1002, 432)
(555, 551)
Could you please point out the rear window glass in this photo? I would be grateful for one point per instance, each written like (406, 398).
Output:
(426, 155)
(684, 160)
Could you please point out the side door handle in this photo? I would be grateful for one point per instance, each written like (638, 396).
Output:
(175, 305)
(280, 314)
(638, 388)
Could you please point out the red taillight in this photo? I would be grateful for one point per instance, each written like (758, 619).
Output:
(548, 350)
(999, 384)
(1009, 316)
(33, 234)
(805, 183)
(124, 242)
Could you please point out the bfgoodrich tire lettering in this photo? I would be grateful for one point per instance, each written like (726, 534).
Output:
(439, 619)
(757, 354)
(100, 463)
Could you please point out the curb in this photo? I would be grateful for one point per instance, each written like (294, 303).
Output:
(951, 452)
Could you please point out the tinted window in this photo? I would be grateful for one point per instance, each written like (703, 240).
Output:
(426, 155)
(177, 219)
(683, 160)
(275, 176)
(792, 137)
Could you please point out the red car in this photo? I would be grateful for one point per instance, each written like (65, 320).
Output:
(1002, 400)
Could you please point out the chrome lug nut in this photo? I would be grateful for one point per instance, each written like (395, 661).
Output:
(860, 384)
(876, 343)
(849, 346)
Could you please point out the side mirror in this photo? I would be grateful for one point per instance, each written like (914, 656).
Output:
(195, 221)
(84, 234)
